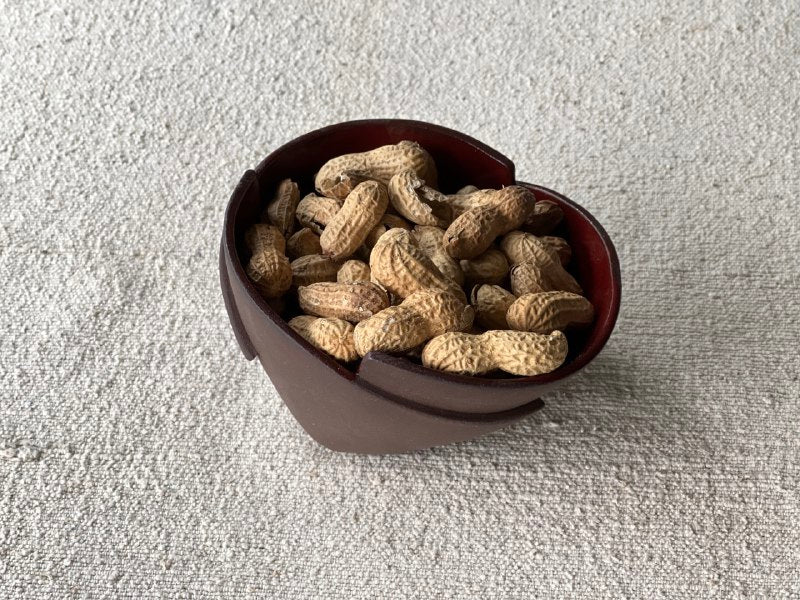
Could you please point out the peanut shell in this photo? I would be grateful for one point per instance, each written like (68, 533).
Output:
(261, 236)
(270, 272)
(516, 352)
(546, 216)
(421, 316)
(547, 311)
(353, 270)
(430, 242)
(417, 202)
(281, 209)
(339, 176)
(489, 267)
(474, 231)
(303, 243)
(360, 212)
(491, 304)
(349, 301)
(334, 336)
(315, 212)
(398, 263)
(314, 268)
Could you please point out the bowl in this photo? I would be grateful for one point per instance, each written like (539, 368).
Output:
(387, 403)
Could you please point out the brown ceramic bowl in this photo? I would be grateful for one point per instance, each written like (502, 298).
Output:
(387, 403)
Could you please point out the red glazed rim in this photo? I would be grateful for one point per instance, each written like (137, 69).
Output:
(604, 325)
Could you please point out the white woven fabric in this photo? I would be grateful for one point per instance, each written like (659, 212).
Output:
(141, 456)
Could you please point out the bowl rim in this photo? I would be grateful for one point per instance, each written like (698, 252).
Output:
(421, 125)
(587, 353)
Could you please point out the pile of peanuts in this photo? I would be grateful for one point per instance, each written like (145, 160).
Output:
(382, 261)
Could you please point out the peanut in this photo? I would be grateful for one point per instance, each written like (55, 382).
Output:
(544, 312)
(417, 247)
(462, 202)
(303, 243)
(546, 216)
(386, 223)
(340, 175)
(360, 212)
(489, 267)
(315, 212)
(268, 267)
(491, 304)
(430, 241)
(281, 209)
(515, 352)
(474, 231)
(560, 246)
(349, 301)
(522, 247)
(353, 270)
(334, 336)
(529, 278)
(467, 189)
(314, 268)
(417, 202)
(532, 276)
(261, 237)
(421, 316)
(537, 266)
(399, 264)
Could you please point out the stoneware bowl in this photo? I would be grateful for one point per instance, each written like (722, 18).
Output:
(387, 403)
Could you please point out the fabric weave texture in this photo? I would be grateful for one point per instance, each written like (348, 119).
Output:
(142, 457)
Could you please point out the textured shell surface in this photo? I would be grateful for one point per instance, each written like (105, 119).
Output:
(527, 354)
(545, 312)
(456, 352)
(315, 212)
(262, 236)
(419, 317)
(353, 302)
(430, 240)
(302, 243)
(520, 247)
(473, 232)
(270, 271)
(536, 263)
(353, 270)
(379, 164)
(399, 264)
(313, 268)
(516, 352)
(529, 278)
(444, 311)
(544, 218)
(415, 201)
(281, 209)
(394, 329)
(489, 267)
(491, 304)
(334, 336)
(361, 211)
(560, 247)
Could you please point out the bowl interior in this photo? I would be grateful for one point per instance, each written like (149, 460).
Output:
(460, 160)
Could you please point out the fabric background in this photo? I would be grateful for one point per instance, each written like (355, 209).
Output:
(141, 456)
